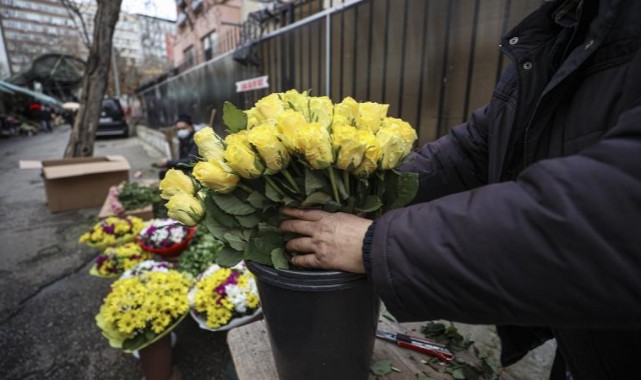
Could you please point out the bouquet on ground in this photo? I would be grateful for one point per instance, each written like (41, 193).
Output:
(112, 231)
(143, 305)
(132, 196)
(296, 150)
(222, 298)
(200, 254)
(116, 260)
(165, 237)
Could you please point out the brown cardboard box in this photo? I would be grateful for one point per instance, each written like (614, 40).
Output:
(73, 183)
(144, 213)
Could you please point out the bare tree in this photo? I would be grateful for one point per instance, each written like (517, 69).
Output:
(94, 83)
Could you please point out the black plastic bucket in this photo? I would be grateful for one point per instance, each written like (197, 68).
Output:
(321, 324)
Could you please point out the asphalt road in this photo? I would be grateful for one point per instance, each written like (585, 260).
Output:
(48, 300)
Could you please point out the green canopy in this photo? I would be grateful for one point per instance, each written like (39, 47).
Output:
(8, 87)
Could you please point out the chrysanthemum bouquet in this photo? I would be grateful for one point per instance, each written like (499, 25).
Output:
(116, 260)
(224, 297)
(296, 150)
(112, 231)
(142, 306)
(166, 237)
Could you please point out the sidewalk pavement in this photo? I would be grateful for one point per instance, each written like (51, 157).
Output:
(48, 300)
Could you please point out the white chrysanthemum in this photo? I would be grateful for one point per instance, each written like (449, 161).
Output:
(236, 295)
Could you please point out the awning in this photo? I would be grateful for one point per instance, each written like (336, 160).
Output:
(8, 87)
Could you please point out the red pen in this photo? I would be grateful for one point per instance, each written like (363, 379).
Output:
(439, 351)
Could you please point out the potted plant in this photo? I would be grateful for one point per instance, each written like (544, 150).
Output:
(165, 237)
(111, 232)
(141, 309)
(116, 260)
(292, 149)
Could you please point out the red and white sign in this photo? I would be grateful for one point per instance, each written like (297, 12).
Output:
(252, 84)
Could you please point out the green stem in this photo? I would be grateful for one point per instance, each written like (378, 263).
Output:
(274, 186)
(291, 180)
(346, 182)
(332, 179)
(248, 189)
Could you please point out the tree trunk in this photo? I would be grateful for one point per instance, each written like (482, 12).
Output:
(94, 82)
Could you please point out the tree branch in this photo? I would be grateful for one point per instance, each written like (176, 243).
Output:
(75, 14)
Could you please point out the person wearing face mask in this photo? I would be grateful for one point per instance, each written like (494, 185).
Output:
(187, 149)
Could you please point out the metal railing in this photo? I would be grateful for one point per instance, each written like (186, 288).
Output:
(433, 61)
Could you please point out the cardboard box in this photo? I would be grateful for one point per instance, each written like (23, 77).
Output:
(106, 211)
(80, 182)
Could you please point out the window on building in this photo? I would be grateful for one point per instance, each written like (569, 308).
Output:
(190, 57)
(210, 45)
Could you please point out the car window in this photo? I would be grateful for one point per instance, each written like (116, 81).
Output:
(111, 108)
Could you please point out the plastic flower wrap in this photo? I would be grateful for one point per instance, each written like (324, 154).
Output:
(293, 149)
(222, 297)
(112, 231)
(166, 237)
(116, 260)
(142, 306)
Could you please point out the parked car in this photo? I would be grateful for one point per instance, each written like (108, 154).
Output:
(112, 119)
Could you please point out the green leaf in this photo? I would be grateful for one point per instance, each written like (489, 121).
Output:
(135, 342)
(234, 118)
(314, 181)
(248, 221)
(423, 377)
(258, 200)
(458, 374)
(235, 240)
(316, 198)
(371, 203)
(261, 244)
(227, 257)
(230, 204)
(400, 189)
(273, 195)
(217, 214)
(381, 367)
(279, 259)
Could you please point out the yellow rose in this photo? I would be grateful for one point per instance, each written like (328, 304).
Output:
(175, 181)
(216, 175)
(273, 152)
(297, 101)
(288, 123)
(404, 129)
(315, 143)
(252, 118)
(209, 145)
(321, 110)
(350, 148)
(269, 107)
(393, 147)
(241, 157)
(372, 154)
(346, 110)
(371, 115)
(185, 208)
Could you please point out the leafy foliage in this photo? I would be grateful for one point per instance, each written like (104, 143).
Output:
(133, 196)
(200, 254)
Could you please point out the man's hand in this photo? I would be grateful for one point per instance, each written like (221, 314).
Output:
(160, 164)
(328, 241)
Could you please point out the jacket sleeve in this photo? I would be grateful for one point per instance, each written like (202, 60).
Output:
(560, 246)
(453, 163)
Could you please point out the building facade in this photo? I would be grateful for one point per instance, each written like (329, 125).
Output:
(205, 29)
(35, 27)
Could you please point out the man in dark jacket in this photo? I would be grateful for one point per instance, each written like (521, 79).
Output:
(528, 214)
(187, 148)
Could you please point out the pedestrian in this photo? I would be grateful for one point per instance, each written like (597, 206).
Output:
(45, 118)
(528, 214)
(187, 148)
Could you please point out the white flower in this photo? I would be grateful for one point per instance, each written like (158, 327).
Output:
(236, 295)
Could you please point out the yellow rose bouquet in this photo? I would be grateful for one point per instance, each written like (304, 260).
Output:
(143, 305)
(296, 150)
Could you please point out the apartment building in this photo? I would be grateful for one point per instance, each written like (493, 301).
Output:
(205, 29)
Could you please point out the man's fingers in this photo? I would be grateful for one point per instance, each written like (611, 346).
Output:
(301, 227)
(301, 245)
(306, 261)
(299, 213)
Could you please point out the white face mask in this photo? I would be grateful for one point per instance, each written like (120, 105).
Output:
(183, 133)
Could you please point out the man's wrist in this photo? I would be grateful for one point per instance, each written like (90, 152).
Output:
(367, 247)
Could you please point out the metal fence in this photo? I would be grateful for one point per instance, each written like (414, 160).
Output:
(433, 61)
